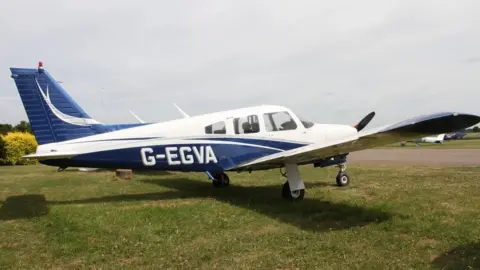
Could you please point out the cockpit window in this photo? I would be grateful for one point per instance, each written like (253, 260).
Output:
(279, 121)
(305, 123)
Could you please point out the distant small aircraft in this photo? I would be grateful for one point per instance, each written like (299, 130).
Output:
(430, 139)
(455, 136)
(243, 140)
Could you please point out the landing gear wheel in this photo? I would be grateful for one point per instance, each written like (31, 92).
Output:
(296, 195)
(221, 180)
(343, 179)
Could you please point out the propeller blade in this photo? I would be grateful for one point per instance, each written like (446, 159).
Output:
(364, 122)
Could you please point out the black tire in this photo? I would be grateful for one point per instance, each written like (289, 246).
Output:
(343, 179)
(287, 194)
(221, 180)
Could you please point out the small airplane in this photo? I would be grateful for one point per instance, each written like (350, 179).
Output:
(242, 140)
(455, 136)
(431, 139)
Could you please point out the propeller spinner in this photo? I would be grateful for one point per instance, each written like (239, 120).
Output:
(364, 122)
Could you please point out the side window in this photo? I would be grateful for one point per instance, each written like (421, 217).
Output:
(278, 121)
(247, 124)
(216, 128)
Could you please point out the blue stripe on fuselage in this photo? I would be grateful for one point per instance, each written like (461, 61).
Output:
(279, 144)
(182, 157)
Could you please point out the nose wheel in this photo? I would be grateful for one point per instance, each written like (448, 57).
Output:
(343, 179)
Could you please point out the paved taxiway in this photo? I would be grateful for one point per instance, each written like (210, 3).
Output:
(458, 157)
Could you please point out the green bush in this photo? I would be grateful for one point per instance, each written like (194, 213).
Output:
(14, 145)
(2, 150)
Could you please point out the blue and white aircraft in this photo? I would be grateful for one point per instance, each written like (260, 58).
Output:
(243, 140)
(430, 139)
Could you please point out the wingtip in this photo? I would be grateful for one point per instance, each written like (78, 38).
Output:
(436, 123)
(469, 119)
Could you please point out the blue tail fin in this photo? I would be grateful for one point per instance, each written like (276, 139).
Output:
(53, 114)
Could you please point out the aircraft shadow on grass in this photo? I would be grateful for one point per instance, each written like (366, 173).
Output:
(23, 207)
(461, 257)
(309, 214)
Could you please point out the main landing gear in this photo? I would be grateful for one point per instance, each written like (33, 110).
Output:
(294, 188)
(294, 195)
(220, 179)
(342, 177)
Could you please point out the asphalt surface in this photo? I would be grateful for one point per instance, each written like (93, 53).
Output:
(457, 157)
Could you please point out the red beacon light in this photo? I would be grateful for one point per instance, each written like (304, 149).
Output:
(40, 65)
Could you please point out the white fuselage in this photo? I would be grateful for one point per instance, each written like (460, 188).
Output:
(179, 130)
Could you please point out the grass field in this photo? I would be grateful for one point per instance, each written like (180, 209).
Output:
(388, 218)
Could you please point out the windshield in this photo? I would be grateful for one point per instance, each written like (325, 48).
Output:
(305, 123)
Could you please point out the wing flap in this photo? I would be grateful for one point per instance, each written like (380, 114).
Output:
(406, 130)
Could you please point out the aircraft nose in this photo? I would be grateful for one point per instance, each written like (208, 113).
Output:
(336, 132)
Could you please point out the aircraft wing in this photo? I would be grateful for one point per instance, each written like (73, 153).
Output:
(406, 130)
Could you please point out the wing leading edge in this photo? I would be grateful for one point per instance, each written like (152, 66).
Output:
(416, 127)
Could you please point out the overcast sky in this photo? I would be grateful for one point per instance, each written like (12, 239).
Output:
(330, 61)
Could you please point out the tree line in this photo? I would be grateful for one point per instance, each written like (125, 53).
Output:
(23, 126)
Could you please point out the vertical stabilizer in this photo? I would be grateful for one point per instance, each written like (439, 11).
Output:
(53, 114)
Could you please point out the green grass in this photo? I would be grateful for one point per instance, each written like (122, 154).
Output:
(399, 217)
(473, 136)
(472, 142)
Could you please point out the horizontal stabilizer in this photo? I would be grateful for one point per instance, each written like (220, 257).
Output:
(51, 155)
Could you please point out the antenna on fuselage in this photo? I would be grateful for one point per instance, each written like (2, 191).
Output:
(136, 117)
(181, 111)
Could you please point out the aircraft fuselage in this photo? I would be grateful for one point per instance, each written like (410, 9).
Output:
(189, 145)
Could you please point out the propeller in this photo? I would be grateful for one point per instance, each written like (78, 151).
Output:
(364, 122)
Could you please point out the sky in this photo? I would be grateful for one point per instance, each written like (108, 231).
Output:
(328, 61)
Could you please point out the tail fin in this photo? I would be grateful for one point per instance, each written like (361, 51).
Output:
(53, 114)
